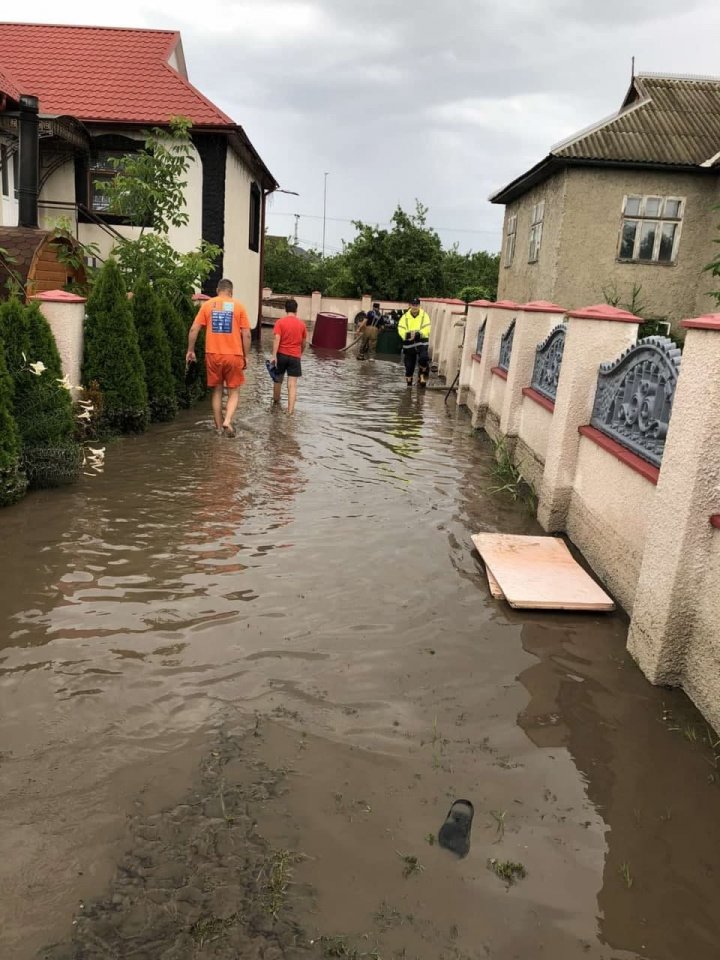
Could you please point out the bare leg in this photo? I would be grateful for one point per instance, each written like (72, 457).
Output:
(217, 406)
(277, 391)
(292, 393)
(232, 402)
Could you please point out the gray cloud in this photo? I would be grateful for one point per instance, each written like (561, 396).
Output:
(397, 99)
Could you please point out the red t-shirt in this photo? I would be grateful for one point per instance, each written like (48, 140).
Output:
(293, 333)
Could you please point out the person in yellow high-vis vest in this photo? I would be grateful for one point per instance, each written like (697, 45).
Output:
(414, 331)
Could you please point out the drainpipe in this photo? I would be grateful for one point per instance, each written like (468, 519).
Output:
(29, 162)
(257, 332)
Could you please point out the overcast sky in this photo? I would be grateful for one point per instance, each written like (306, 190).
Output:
(443, 100)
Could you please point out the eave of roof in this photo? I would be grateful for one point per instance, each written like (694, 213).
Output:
(665, 122)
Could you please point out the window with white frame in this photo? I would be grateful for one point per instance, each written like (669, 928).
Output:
(536, 226)
(650, 231)
(510, 239)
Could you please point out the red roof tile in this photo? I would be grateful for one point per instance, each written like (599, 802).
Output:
(102, 74)
(8, 87)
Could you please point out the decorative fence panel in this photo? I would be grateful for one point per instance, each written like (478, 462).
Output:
(548, 359)
(506, 342)
(634, 396)
(480, 339)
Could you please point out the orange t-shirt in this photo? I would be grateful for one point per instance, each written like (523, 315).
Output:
(293, 333)
(223, 319)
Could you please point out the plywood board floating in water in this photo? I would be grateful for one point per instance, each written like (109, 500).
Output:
(539, 573)
(495, 589)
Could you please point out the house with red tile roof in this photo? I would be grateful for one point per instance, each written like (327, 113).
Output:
(98, 89)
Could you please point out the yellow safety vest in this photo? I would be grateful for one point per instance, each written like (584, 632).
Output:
(419, 324)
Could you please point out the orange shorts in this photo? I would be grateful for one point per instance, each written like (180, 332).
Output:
(225, 368)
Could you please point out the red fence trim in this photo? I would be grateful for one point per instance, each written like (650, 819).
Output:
(630, 459)
(477, 357)
(538, 398)
(499, 372)
(715, 520)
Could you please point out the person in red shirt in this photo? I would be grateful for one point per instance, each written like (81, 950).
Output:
(289, 342)
(227, 343)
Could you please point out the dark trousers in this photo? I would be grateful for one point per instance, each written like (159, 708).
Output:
(416, 354)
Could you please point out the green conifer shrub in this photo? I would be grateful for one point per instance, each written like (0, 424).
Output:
(13, 481)
(112, 354)
(155, 351)
(177, 341)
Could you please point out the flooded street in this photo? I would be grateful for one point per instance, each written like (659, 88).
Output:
(242, 682)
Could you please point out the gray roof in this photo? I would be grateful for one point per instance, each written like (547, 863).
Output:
(663, 121)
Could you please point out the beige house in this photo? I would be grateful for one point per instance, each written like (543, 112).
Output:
(623, 211)
(89, 98)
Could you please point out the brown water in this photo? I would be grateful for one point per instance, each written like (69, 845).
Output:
(221, 650)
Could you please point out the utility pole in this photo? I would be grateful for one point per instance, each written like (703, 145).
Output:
(324, 213)
(297, 221)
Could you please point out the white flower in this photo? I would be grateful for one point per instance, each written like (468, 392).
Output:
(38, 368)
(65, 382)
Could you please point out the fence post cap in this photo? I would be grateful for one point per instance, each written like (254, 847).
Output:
(603, 311)
(506, 305)
(709, 321)
(59, 296)
(542, 306)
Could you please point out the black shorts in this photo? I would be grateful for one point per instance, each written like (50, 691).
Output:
(288, 365)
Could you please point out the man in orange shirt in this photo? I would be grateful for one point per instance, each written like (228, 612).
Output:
(289, 342)
(227, 343)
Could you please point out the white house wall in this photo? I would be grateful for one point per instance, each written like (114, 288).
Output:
(60, 187)
(240, 263)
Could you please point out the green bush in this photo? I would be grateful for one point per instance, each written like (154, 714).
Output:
(13, 481)
(177, 341)
(51, 456)
(155, 352)
(42, 406)
(196, 376)
(112, 354)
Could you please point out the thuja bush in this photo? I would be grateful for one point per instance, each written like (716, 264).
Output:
(13, 481)
(42, 405)
(155, 351)
(112, 357)
(177, 342)
(195, 376)
(50, 454)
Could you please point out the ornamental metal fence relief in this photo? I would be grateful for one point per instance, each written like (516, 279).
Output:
(634, 396)
(548, 360)
(506, 343)
(480, 339)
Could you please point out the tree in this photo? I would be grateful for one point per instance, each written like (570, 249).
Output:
(195, 376)
(13, 481)
(176, 335)
(149, 191)
(112, 354)
(148, 187)
(155, 352)
(288, 269)
(42, 405)
(404, 261)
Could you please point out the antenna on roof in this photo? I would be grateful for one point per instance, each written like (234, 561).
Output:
(632, 69)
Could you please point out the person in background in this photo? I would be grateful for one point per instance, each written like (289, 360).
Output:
(227, 343)
(370, 329)
(414, 331)
(289, 342)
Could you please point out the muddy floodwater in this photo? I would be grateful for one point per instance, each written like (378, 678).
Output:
(243, 681)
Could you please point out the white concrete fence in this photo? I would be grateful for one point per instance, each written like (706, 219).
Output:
(310, 306)
(651, 534)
